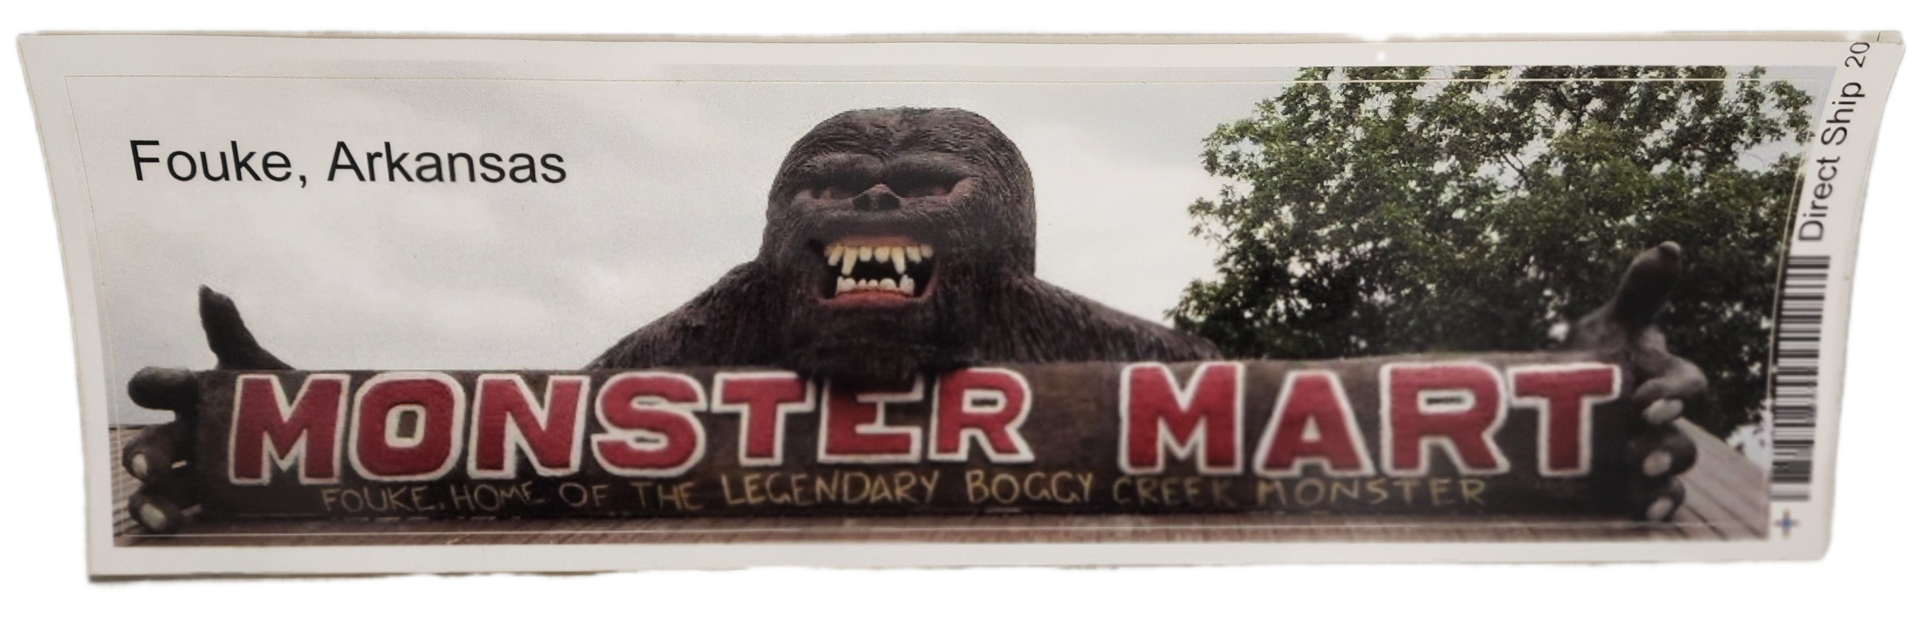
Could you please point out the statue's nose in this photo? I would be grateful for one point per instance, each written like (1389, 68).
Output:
(876, 198)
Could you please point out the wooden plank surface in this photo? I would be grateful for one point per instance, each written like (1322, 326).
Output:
(1726, 500)
(1724, 489)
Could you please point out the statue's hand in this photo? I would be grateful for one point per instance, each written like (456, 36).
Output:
(161, 456)
(1623, 331)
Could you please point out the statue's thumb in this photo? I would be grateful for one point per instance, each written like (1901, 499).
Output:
(233, 345)
(1643, 291)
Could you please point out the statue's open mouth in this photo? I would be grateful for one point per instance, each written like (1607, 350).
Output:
(877, 270)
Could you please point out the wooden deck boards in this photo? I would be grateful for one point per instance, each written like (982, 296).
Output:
(1726, 500)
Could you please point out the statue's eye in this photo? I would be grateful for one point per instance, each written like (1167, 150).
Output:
(924, 185)
(833, 191)
(931, 190)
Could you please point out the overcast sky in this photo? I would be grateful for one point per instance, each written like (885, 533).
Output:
(666, 187)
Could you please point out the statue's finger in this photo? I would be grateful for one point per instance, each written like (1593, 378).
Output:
(150, 456)
(1682, 380)
(1660, 501)
(229, 338)
(166, 389)
(1643, 290)
(156, 512)
(161, 507)
(1663, 453)
(1663, 411)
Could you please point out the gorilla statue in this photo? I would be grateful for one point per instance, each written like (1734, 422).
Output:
(897, 242)
(902, 241)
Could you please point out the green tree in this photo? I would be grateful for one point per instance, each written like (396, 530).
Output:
(1390, 210)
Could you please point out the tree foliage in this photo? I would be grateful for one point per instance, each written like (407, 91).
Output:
(1388, 210)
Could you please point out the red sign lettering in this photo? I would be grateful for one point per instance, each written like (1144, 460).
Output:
(650, 428)
(1565, 396)
(986, 405)
(763, 400)
(405, 424)
(853, 428)
(507, 423)
(1157, 416)
(1312, 422)
(304, 434)
(1455, 406)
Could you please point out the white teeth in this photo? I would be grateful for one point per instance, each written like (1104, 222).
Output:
(905, 285)
(844, 257)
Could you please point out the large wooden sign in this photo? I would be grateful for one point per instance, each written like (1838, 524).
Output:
(1487, 434)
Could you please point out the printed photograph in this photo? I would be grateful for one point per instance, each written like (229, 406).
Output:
(952, 304)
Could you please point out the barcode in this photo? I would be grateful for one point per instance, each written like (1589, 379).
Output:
(1796, 374)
